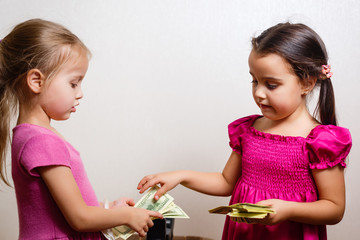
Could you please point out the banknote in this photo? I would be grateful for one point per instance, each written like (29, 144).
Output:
(164, 205)
(173, 211)
(239, 212)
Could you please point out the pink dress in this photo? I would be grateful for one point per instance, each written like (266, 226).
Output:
(39, 216)
(279, 167)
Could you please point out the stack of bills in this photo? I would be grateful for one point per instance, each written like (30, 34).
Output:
(165, 205)
(239, 212)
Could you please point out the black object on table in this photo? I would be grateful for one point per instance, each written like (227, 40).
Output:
(163, 229)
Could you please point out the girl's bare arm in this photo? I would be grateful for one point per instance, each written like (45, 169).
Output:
(84, 218)
(329, 209)
(212, 183)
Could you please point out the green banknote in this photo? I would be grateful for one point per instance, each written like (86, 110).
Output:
(173, 211)
(165, 205)
(239, 212)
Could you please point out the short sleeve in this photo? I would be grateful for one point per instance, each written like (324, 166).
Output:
(237, 129)
(328, 145)
(44, 150)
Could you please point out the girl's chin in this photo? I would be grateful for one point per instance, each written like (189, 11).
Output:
(269, 114)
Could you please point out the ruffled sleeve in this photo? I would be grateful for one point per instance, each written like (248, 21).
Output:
(237, 129)
(327, 146)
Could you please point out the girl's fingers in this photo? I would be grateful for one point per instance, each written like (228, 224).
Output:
(150, 183)
(144, 188)
(160, 192)
(130, 202)
(143, 181)
(142, 233)
(154, 214)
(150, 223)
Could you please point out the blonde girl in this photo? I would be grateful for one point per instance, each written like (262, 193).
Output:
(42, 67)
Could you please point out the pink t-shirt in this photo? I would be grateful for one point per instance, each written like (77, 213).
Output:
(39, 216)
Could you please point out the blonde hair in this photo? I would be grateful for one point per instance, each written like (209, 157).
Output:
(33, 44)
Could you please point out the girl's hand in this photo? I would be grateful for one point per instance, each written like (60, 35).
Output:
(282, 212)
(121, 202)
(140, 220)
(167, 181)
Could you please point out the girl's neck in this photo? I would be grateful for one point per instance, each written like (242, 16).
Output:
(39, 122)
(33, 116)
(294, 125)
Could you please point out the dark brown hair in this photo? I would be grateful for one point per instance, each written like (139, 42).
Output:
(304, 50)
(33, 44)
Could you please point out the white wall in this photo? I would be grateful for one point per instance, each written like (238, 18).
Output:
(167, 77)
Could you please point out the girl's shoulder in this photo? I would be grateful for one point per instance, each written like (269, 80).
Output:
(237, 130)
(26, 131)
(26, 134)
(329, 133)
(328, 145)
(243, 122)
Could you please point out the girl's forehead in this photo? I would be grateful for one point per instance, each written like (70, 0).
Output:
(77, 52)
(268, 63)
(75, 56)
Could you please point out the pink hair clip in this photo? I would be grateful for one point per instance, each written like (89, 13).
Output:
(326, 71)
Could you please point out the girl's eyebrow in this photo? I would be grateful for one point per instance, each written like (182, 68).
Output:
(269, 77)
(79, 77)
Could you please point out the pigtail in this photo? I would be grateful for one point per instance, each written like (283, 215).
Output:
(4, 134)
(5, 113)
(325, 108)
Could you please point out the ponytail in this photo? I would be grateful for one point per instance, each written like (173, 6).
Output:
(325, 108)
(5, 113)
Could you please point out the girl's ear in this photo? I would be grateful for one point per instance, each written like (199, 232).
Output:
(35, 80)
(308, 85)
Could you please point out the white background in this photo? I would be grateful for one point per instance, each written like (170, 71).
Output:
(166, 78)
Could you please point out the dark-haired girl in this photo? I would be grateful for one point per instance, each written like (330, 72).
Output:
(285, 158)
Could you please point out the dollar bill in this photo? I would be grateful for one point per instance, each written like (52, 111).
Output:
(164, 205)
(221, 210)
(148, 202)
(174, 211)
(239, 212)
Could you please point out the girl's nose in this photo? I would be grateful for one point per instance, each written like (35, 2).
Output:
(259, 92)
(79, 94)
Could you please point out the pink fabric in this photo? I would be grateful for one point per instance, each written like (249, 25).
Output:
(275, 166)
(39, 217)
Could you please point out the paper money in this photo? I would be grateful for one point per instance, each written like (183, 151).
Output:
(164, 205)
(173, 211)
(239, 212)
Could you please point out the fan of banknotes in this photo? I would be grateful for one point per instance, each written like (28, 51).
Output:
(240, 212)
(165, 205)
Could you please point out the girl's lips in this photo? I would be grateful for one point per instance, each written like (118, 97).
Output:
(73, 109)
(262, 106)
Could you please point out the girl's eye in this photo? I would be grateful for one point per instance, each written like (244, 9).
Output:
(271, 86)
(74, 85)
(254, 82)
